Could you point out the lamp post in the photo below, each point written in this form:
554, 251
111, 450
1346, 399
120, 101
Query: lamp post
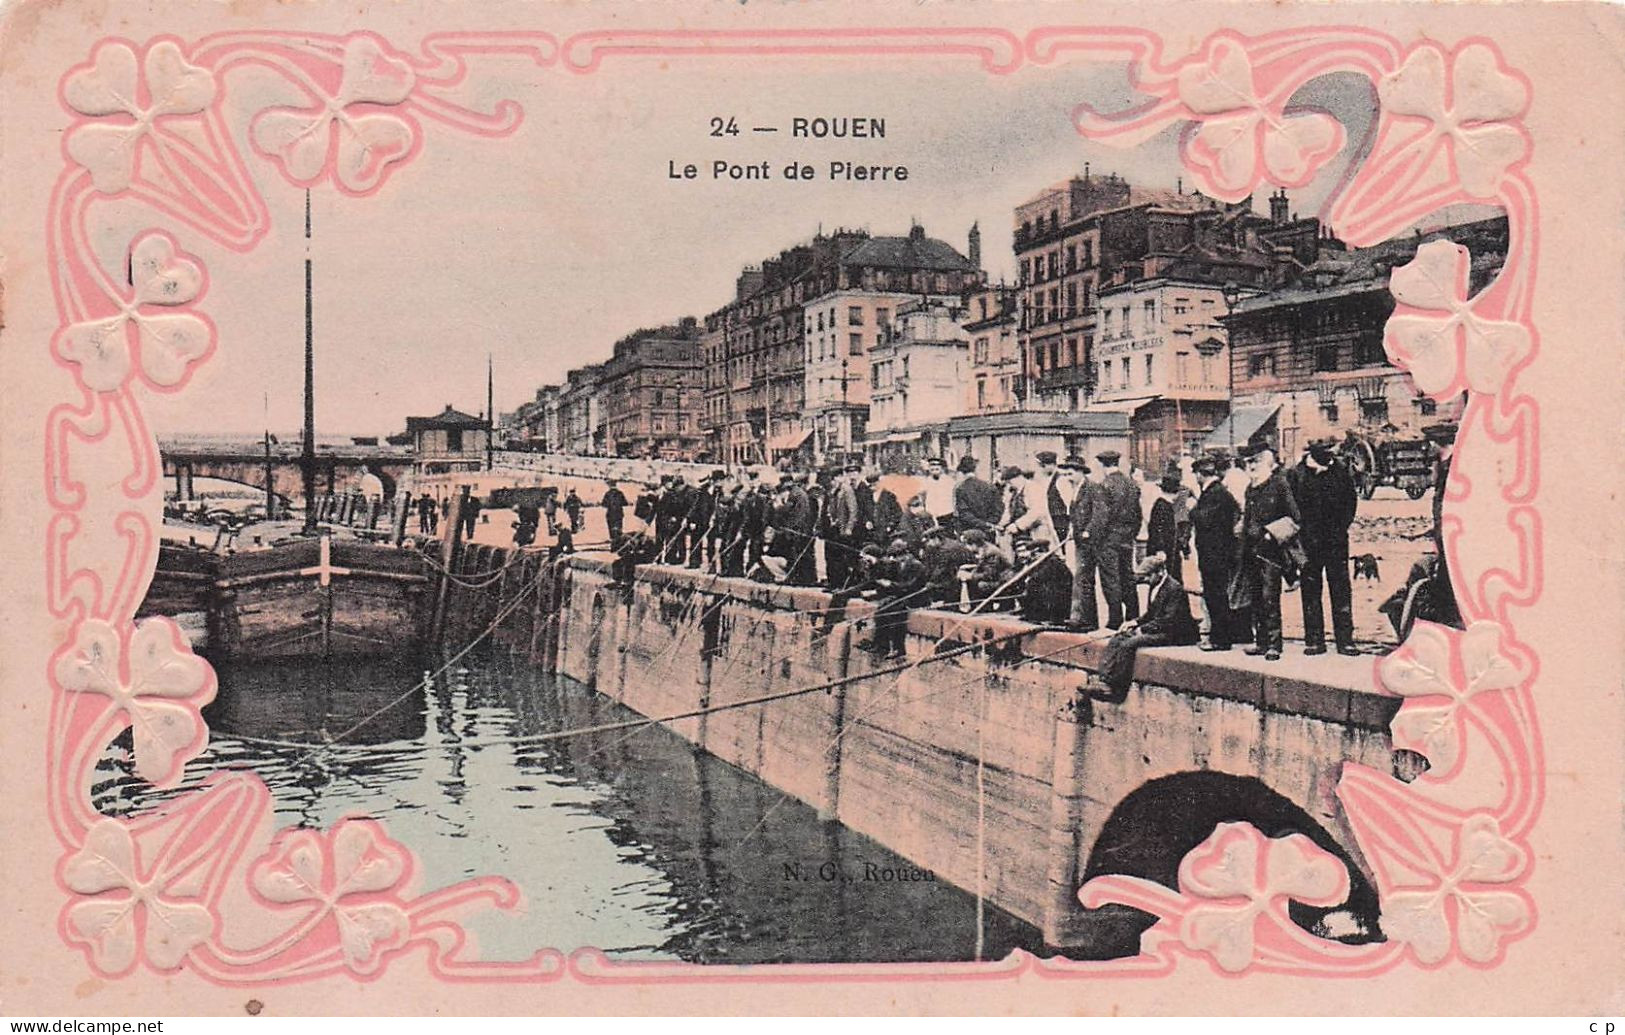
1232, 294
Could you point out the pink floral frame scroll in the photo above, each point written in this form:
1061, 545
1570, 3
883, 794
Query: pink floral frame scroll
176, 888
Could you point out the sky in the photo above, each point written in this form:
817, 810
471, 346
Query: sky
543, 248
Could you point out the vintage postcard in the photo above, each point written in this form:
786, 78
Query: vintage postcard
543, 508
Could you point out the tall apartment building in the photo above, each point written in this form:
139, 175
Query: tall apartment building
754, 349
650, 394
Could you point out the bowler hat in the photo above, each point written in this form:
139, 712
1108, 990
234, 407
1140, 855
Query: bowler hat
1108, 456
967, 465
1044, 456
1010, 474
1206, 465
1170, 483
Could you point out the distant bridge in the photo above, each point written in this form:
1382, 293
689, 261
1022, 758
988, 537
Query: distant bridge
337, 467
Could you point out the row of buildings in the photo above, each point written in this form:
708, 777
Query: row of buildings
1151, 320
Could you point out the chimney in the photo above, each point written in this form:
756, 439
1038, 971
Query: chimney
975, 246
1278, 205
1179, 185
916, 232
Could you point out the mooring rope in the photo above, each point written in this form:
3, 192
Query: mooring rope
611, 727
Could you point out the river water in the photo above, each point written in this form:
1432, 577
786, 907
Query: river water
630, 842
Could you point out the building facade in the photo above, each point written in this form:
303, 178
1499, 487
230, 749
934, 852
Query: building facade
1163, 359
1308, 359
650, 392
448, 442
754, 348
917, 377
996, 383
580, 413
840, 330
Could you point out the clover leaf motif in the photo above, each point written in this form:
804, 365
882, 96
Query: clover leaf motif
150, 913
1438, 349
168, 343
1459, 909
1424, 668
345, 874
1471, 105
151, 676
1239, 130
111, 89
359, 143
1247, 874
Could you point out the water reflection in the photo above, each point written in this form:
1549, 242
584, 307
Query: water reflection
632, 842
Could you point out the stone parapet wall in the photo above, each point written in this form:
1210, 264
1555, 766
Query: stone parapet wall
994, 767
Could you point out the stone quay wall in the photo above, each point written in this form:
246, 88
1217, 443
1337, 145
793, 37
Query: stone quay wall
994, 768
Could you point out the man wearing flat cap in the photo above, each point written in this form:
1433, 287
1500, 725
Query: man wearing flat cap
1122, 526
1325, 493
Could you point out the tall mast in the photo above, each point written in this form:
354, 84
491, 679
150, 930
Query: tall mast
307, 457
490, 415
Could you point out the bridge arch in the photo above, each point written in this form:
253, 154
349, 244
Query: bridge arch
1157, 824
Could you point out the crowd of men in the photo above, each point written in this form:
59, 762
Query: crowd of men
1051, 542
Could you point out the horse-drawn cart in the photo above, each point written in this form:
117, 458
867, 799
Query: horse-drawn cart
1404, 463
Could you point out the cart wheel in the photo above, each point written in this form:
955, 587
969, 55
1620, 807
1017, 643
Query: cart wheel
1415, 490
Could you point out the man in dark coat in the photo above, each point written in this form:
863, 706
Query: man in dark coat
1162, 527
888, 512
866, 506
1214, 520
701, 507
1325, 493
915, 524
943, 556
1088, 520
977, 503
755, 510
614, 503
572, 510
1167, 623
795, 523
843, 520
1264, 553
900, 583
1123, 526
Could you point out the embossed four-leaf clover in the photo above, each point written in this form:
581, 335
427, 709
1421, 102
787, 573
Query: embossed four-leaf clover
1439, 349
154, 679
128, 105
1240, 130
150, 913
343, 873
1247, 874
358, 141
1471, 106
1463, 907
154, 323
1425, 670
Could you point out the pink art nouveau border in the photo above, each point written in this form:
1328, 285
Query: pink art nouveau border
173, 888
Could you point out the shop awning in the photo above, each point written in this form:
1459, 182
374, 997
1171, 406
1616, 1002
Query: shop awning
788, 441
1243, 423
1128, 406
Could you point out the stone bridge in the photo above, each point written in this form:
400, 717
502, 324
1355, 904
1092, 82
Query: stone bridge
336, 469
995, 768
